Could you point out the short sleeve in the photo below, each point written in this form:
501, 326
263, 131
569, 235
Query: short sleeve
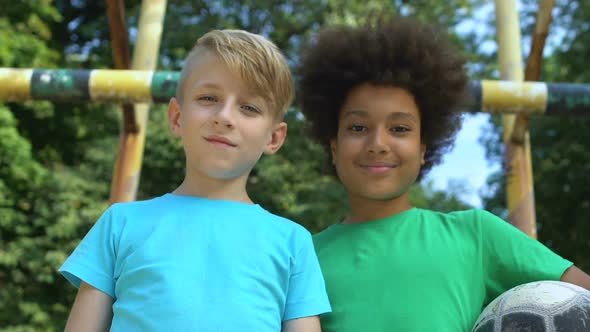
306, 293
93, 261
513, 258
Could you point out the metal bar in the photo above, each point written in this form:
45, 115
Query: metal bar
519, 172
141, 86
513, 97
15, 84
567, 98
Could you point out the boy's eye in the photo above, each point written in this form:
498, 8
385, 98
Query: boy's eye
400, 129
250, 108
210, 99
358, 128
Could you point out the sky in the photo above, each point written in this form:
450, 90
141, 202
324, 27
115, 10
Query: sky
466, 162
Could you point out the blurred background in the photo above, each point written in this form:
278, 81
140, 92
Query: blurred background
56, 159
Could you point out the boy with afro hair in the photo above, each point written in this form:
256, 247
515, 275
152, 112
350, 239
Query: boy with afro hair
384, 100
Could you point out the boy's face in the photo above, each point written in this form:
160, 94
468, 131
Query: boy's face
377, 151
224, 126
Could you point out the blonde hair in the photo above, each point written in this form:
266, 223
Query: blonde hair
256, 60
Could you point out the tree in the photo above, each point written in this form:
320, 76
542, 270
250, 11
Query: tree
44, 208
42, 215
427, 197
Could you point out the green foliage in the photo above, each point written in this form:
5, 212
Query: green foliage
25, 32
43, 214
425, 196
163, 162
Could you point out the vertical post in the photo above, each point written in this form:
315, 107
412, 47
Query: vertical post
534, 61
519, 181
543, 21
131, 144
120, 46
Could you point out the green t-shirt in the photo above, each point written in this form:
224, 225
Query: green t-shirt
422, 270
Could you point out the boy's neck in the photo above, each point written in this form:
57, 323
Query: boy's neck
363, 209
226, 189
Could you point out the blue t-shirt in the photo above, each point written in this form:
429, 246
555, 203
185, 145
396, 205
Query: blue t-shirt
185, 263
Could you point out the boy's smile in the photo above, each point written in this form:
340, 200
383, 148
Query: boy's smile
220, 141
378, 152
378, 167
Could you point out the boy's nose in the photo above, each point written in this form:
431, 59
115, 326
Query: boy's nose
223, 123
223, 116
378, 142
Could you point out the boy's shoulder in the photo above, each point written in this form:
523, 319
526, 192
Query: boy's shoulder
286, 223
472, 219
458, 215
459, 218
139, 206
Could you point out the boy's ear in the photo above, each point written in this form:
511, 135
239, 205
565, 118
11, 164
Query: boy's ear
422, 153
174, 116
277, 138
333, 150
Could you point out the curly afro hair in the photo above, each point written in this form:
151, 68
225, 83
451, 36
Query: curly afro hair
398, 52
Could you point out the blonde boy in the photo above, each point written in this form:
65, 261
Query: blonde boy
205, 257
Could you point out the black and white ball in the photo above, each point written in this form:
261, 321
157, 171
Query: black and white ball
542, 306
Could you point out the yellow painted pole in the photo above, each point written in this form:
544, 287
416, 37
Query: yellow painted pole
519, 174
15, 84
145, 57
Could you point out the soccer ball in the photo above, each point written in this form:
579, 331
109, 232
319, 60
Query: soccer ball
542, 306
